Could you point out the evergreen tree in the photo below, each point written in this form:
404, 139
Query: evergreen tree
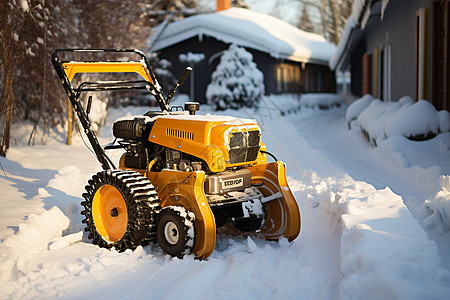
236, 82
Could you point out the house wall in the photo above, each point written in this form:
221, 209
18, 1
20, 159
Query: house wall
212, 48
307, 76
397, 30
392, 39
318, 79
356, 69
201, 71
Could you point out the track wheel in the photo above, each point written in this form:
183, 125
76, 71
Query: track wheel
175, 231
120, 209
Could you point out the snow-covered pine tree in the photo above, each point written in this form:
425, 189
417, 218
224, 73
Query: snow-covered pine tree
236, 82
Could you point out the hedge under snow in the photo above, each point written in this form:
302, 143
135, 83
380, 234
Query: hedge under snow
414, 120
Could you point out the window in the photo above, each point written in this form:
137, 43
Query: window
279, 75
288, 78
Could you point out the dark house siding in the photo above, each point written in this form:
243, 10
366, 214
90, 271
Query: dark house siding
397, 30
296, 77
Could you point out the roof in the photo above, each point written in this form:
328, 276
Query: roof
361, 10
250, 29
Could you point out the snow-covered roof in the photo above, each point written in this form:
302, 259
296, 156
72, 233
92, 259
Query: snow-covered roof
250, 29
358, 19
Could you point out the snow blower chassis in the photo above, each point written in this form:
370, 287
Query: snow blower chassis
182, 176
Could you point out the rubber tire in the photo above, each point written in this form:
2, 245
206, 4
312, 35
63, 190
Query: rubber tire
142, 204
185, 230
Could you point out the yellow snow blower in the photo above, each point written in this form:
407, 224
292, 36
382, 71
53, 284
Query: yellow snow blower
182, 176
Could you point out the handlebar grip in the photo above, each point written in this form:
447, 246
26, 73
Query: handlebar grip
185, 75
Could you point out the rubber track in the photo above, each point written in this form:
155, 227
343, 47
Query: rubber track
143, 205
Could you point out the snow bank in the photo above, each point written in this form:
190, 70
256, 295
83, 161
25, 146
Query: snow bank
321, 101
438, 207
380, 120
374, 264
33, 235
281, 104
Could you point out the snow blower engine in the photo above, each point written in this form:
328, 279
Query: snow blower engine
182, 176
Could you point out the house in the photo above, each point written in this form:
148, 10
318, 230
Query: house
394, 48
292, 61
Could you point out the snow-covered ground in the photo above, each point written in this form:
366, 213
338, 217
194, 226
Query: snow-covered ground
373, 221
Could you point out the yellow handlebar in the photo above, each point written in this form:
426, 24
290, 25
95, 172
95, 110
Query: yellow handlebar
73, 68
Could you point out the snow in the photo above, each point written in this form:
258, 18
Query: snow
374, 220
321, 100
425, 119
250, 29
334, 61
405, 117
191, 58
357, 107
439, 206
212, 118
24, 5
359, 8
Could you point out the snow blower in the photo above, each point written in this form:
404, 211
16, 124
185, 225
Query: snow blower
182, 176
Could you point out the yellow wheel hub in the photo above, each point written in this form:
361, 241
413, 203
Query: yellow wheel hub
109, 211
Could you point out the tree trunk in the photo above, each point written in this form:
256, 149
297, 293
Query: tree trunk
334, 19
323, 19
7, 96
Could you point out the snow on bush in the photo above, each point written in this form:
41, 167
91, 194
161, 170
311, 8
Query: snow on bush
421, 118
236, 82
444, 120
191, 58
377, 129
161, 68
380, 120
321, 100
368, 117
357, 107
99, 112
